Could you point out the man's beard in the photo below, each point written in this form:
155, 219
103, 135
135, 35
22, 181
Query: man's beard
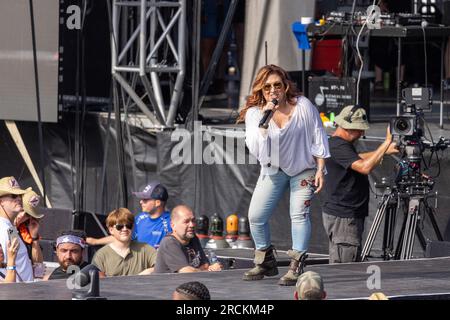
151, 211
65, 264
189, 235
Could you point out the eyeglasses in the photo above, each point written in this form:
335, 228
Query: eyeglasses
119, 227
276, 86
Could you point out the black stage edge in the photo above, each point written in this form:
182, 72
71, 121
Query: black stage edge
418, 279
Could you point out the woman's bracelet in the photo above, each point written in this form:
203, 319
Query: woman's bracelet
11, 268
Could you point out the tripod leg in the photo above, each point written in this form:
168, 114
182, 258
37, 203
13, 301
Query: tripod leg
411, 238
421, 237
410, 228
374, 228
433, 221
389, 231
401, 235
419, 233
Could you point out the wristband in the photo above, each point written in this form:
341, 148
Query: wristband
11, 268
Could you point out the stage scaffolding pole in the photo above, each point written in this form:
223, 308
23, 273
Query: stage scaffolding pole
158, 36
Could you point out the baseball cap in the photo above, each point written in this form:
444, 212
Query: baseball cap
9, 185
310, 286
154, 190
30, 202
353, 118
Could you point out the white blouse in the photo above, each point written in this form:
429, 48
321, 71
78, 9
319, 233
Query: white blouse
291, 148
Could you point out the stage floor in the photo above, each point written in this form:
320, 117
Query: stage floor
243, 258
407, 279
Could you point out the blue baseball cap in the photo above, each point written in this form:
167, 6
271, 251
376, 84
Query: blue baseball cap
154, 190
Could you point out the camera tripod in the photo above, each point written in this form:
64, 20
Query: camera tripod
415, 207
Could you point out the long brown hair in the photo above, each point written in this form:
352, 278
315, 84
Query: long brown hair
257, 97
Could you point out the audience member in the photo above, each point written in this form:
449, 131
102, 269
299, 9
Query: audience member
10, 207
181, 251
27, 223
124, 257
152, 224
191, 291
70, 247
309, 287
10, 266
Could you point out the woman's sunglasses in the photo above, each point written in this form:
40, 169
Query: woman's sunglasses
119, 227
276, 86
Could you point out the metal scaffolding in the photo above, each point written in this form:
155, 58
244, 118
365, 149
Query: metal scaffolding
148, 56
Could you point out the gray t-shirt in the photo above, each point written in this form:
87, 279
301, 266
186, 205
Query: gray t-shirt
173, 256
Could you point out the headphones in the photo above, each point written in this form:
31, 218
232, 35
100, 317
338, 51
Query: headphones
354, 109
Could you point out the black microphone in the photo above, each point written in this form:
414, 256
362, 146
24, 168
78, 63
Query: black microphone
264, 123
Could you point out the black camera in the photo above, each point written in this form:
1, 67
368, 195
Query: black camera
410, 124
404, 125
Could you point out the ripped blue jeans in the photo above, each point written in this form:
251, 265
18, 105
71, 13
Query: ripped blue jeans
268, 192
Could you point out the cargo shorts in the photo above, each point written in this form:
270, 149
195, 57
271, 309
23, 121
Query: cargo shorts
345, 237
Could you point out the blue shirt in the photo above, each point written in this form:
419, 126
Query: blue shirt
149, 230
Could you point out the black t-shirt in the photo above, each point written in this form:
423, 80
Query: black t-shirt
59, 273
173, 256
346, 191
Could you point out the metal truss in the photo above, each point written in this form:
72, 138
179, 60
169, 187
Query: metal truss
148, 55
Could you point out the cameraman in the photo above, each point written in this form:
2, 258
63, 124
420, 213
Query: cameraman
346, 192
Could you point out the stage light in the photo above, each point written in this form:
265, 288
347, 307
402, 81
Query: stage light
232, 225
428, 7
244, 240
216, 228
201, 229
216, 238
232, 229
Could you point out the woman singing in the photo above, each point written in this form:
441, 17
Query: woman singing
291, 152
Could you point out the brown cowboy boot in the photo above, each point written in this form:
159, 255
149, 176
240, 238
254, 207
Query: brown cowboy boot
295, 268
265, 265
